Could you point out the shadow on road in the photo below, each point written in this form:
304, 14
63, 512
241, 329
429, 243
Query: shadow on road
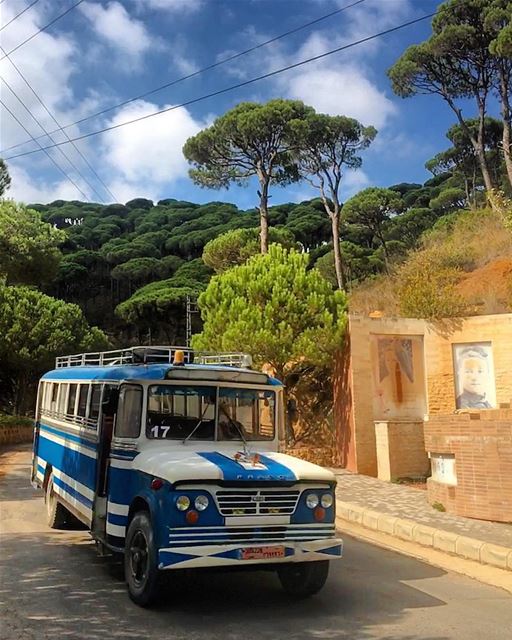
55, 586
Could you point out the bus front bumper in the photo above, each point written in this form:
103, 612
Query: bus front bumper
189, 557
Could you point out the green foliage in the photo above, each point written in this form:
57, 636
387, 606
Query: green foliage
236, 247
28, 246
467, 56
5, 178
34, 329
372, 208
276, 309
248, 139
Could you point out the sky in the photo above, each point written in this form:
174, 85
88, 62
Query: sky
107, 51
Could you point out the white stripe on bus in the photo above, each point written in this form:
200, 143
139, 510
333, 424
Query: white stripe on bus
118, 509
115, 530
69, 444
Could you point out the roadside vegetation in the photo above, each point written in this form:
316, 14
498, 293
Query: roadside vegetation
275, 280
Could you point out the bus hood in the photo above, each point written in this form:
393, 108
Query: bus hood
232, 466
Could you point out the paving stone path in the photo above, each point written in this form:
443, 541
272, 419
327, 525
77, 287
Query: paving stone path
409, 503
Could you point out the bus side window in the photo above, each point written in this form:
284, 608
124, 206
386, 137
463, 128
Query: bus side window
82, 400
94, 404
53, 397
70, 412
63, 396
129, 412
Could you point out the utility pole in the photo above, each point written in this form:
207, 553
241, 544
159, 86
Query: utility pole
191, 308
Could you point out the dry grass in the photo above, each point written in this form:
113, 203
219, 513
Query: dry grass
463, 267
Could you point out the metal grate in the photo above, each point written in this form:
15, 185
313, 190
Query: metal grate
153, 354
255, 502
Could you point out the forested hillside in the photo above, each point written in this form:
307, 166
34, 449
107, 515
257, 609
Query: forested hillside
130, 267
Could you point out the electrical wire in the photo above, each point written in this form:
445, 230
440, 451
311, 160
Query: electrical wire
60, 129
200, 71
46, 26
45, 151
63, 154
232, 87
19, 14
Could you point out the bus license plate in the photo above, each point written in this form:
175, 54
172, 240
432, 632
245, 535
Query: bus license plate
262, 553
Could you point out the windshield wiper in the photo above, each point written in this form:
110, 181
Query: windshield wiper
185, 440
238, 427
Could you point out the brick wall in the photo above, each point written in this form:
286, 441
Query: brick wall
482, 445
438, 340
401, 450
354, 384
16, 434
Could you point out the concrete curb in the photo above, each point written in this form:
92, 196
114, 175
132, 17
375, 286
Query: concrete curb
411, 531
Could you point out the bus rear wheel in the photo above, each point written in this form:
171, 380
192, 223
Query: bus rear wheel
56, 513
303, 579
140, 561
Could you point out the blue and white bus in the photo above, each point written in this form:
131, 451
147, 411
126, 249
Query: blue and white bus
171, 458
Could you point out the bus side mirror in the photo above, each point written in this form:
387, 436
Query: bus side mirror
109, 402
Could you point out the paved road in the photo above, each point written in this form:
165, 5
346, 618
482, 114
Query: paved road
52, 585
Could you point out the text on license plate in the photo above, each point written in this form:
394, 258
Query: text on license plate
261, 553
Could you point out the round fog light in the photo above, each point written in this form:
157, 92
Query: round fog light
327, 500
201, 503
312, 501
182, 503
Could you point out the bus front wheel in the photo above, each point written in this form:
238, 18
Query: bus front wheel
303, 579
140, 561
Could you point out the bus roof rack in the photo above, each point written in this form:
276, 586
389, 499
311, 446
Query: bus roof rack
152, 355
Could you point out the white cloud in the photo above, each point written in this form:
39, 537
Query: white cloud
115, 26
146, 157
341, 91
173, 6
25, 188
353, 182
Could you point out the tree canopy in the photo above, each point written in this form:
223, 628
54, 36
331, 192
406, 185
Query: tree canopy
29, 250
326, 147
252, 139
275, 308
34, 329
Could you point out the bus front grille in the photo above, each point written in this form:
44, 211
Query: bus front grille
257, 502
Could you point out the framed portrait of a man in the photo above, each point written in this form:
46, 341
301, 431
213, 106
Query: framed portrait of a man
474, 376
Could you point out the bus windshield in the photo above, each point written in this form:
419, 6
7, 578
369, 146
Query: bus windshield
205, 413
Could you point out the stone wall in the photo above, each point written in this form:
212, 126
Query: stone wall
481, 444
401, 450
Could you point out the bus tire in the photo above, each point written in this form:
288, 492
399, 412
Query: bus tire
303, 579
56, 513
140, 561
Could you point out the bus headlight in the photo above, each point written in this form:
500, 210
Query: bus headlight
201, 503
327, 500
312, 501
182, 503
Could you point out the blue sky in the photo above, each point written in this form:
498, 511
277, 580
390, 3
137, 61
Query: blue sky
104, 52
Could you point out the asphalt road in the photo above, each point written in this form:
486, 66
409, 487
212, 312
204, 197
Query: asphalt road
53, 585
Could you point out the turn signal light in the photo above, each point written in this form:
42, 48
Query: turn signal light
157, 483
319, 514
192, 517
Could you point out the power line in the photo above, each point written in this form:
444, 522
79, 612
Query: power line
64, 132
46, 26
43, 149
233, 87
200, 71
18, 15
41, 126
